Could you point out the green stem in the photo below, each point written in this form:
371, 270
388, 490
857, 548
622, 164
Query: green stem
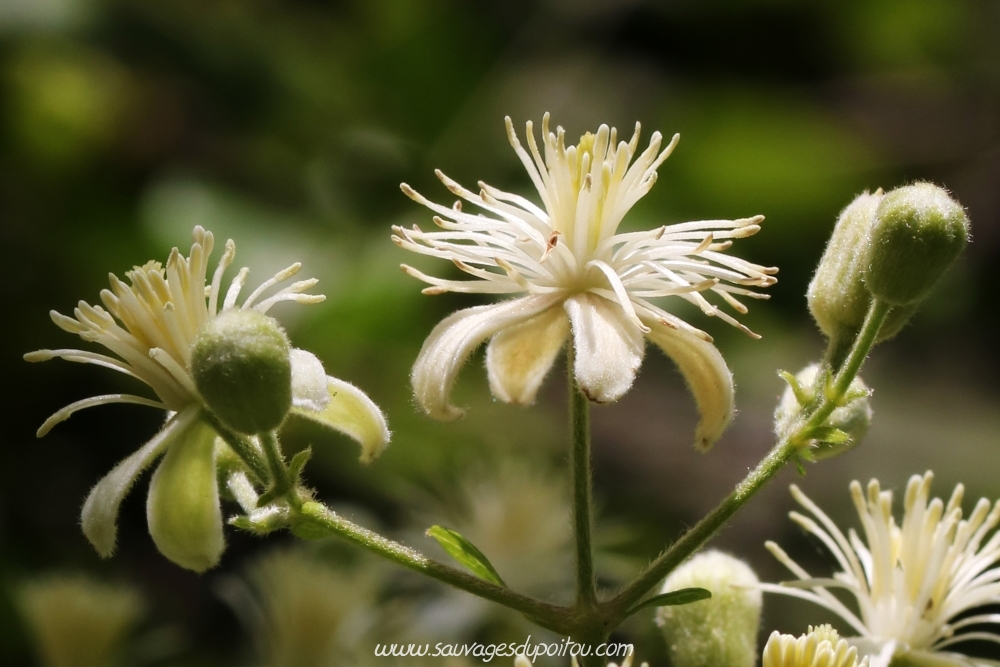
321, 521
282, 482
783, 451
242, 447
579, 410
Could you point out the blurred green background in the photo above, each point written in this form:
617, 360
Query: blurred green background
288, 127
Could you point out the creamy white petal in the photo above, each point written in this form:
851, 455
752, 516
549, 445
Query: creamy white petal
100, 511
451, 342
309, 390
519, 357
707, 376
182, 509
351, 412
608, 348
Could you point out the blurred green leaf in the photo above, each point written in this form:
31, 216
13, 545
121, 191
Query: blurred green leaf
466, 553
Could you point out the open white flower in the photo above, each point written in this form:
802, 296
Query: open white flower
150, 325
577, 274
820, 647
911, 582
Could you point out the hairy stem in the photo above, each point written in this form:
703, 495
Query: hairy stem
780, 454
242, 447
579, 414
320, 521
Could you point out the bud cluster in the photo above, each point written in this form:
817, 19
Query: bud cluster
893, 247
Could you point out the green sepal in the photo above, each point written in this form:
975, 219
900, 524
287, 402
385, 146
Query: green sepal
828, 434
298, 462
673, 599
466, 553
802, 395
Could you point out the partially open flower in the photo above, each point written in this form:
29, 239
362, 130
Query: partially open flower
150, 326
578, 276
820, 647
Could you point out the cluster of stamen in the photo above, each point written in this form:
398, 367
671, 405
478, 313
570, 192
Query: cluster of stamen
572, 244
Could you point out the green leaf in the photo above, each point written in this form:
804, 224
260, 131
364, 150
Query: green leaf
673, 598
802, 395
298, 462
829, 434
466, 553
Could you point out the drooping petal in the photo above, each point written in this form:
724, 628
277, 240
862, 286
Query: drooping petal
608, 347
351, 412
519, 357
183, 512
309, 390
452, 341
707, 376
99, 517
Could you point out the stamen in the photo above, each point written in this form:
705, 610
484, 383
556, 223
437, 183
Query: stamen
68, 411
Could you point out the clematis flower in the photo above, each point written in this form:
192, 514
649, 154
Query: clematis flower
915, 584
150, 326
820, 647
576, 275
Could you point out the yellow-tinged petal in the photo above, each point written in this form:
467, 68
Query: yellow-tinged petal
707, 376
519, 357
309, 382
351, 412
608, 347
452, 341
100, 511
183, 512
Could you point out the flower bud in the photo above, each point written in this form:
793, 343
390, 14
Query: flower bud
918, 232
838, 296
852, 419
820, 647
241, 367
722, 630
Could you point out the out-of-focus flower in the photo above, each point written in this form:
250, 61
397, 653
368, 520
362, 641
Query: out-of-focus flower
577, 275
820, 647
151, 326
722, 630
911, 582
77, 621
302, 611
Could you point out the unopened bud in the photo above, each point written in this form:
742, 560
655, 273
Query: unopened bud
838, 295
241, 367
722, 630
852, 419
919, 231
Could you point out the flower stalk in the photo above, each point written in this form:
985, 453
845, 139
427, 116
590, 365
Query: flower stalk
579, 410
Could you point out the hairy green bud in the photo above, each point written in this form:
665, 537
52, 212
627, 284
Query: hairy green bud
722, 630
846, 425
838, 295
919, 231
242, 369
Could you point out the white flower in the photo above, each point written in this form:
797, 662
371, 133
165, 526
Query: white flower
820, 647
577, 274
911, 582
150, 326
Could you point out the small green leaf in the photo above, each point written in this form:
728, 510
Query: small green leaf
673, 598
298, 462
466, 553
802, 395
829, 434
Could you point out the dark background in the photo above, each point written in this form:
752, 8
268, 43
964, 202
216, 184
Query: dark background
288, 127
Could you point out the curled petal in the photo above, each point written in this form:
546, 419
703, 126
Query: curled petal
309, 390
519, 357
608, 347
185, 519
454, 339
351, 412
100, 511
707, 376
